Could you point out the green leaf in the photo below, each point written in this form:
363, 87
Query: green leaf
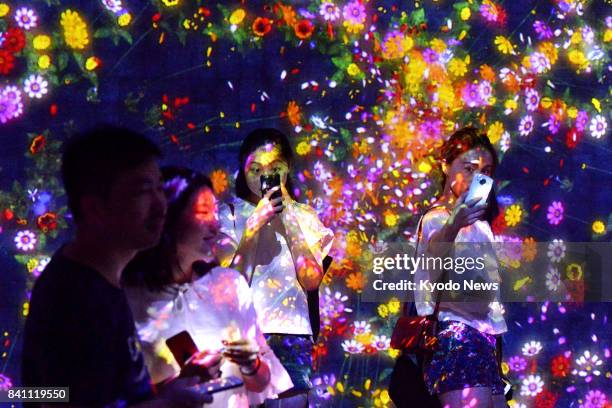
417, 17
62, 61
126, 36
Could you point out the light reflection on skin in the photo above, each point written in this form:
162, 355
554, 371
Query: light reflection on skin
460, 172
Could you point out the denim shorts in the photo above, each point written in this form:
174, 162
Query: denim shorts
295, 354
464, 358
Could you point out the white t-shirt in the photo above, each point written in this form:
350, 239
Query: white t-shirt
280, 301
209, 308
486, 317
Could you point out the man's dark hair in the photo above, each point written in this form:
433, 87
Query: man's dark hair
255, 139
94, 159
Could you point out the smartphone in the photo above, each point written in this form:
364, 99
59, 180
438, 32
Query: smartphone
220, 384
182, 347
267, 182
479, 188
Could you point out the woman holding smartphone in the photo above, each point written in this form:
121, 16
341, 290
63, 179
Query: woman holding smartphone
464, 369
176, 287
280, 247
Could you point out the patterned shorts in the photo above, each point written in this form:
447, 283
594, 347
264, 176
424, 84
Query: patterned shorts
464, 358
295, 354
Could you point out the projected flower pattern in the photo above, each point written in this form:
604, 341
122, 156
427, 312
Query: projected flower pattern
374, 165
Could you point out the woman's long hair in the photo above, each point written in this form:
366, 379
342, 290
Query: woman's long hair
460, 142
153, 267
255, 139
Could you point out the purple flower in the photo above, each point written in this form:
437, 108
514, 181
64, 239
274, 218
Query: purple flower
354, 12
5, 383
555, 213
594, 399
471, 95
430, 56
517, 363
581, 121
8, 108
553, 124
542, 29
526, 125
532, 99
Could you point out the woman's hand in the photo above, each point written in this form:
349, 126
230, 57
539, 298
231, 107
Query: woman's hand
266, 209
465, 213
205, 365
242, 352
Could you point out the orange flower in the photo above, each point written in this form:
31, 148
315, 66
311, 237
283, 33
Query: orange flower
47, 222
262, 26
487, 73
530, 249
356, 281
219, 181
288, 14
293, 113
303, 29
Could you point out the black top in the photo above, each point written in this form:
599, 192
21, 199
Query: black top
80, 334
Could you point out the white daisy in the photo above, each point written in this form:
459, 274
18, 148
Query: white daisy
532, 99
25, 240
113, 6
532, 385
553, 278
526, 125
598, 126
352, 347
329, 11
531, 348
26, 18
35, 86
539, 62
587, 365
361, 327
381, 342
556, 250
504, 143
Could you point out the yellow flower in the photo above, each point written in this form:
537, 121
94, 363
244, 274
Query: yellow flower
576, 37
415, 70
465, 13
513, 215
92, 63
390, 218
41, 42
124, 19
365, 338
383, 311
75, 30
495, 131
353, 28
424, 167
550, 51
599, 227
219, 181
44, 62
353, 69
32, 264
511, 104
577, 57
237, 16
394, 306
4, 9
302, 148
504, 45
438, 45
170, 3
572, 112
608, 35
446, 95
393, 353
26, 309
457, 67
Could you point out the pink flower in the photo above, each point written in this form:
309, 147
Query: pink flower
354, 12
594, 399
581, 121
553, 124
555, 213
517, 363
471, 96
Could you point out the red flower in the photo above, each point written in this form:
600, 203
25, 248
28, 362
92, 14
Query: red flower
499, 223
303, 29
560, 366
572, 137
14, 40
546, 399
47, 222
262, 26
7, 62
38, 143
